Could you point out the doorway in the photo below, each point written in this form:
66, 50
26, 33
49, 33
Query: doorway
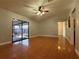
61, 29
20, 30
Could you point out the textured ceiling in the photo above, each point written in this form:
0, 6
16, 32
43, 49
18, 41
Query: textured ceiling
57, 8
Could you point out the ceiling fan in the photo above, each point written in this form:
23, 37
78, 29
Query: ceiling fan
40, 10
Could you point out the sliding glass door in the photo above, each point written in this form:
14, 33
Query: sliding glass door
25, 30
20, 30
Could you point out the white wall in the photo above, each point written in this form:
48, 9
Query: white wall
48, 28
70, 30
6, 25
77, 26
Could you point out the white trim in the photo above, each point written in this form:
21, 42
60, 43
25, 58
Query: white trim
69, 40
33, 36
49, 35
4, 43
77, 52
43, 35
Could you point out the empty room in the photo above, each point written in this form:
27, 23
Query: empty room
39, 29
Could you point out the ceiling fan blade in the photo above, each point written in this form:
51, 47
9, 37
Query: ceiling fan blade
43, 2
29, 6
35, 9
50, 2
73, 10
46, 11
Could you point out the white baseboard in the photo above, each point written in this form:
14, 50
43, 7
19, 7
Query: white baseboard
4, 43
34, 36
43, 35
49, 35
77, 52
69, 40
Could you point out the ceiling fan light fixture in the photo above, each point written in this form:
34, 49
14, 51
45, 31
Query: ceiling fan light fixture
43, 12
40, 13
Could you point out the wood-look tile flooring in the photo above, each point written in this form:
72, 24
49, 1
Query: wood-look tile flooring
39, 48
